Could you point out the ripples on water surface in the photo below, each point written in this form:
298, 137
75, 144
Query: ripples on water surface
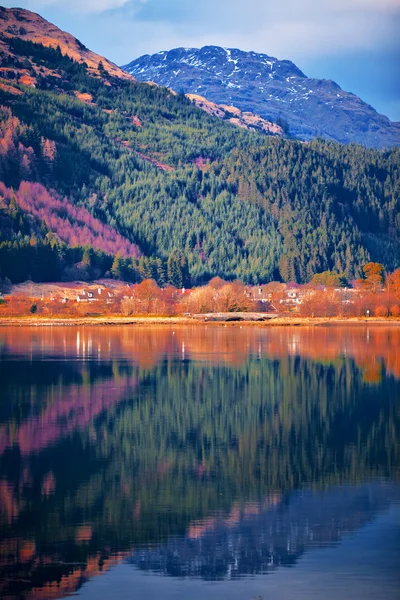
218, 462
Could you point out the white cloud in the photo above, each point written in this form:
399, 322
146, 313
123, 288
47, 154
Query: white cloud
286, 29
226, 8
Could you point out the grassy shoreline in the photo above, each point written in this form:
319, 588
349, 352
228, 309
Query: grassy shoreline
35, 321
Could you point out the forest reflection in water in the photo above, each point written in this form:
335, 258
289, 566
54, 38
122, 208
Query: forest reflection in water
206, 452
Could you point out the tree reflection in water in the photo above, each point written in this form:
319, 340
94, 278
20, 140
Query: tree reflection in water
212, 452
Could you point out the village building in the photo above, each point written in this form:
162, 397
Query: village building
86, 296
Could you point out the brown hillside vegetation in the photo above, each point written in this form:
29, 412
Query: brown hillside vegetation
26, 25
246, 120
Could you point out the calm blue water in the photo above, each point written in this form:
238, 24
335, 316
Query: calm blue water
206, 462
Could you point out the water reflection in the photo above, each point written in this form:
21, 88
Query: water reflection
258, 538
210, 452
371, 347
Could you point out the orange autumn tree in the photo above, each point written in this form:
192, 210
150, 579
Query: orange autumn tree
393, 283
146, 298
201, 300
373, 276
232, 298
321, 303
217, 296
393, 290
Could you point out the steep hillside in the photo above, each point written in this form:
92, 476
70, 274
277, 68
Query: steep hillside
274, 89
234, 115
187, 195
28, 26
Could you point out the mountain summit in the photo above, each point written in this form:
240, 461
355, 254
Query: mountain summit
276, 90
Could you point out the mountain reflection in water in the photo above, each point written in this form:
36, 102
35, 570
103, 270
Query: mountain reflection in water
209, 452
258, 538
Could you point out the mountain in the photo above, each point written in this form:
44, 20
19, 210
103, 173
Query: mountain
103, 174
277, 90
25, 25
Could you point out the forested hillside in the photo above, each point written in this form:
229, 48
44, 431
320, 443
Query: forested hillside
184, 195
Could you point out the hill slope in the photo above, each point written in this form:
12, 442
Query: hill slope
274, 89
26, 25
187, 196
247, 120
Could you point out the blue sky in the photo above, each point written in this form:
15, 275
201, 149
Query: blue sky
354, 42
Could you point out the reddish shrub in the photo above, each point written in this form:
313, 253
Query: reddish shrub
395, 310
381, 311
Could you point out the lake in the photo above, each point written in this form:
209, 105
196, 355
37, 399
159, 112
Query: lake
229, 463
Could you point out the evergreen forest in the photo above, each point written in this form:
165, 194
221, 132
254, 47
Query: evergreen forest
102, 176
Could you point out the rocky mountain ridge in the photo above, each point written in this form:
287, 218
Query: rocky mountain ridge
277, 90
